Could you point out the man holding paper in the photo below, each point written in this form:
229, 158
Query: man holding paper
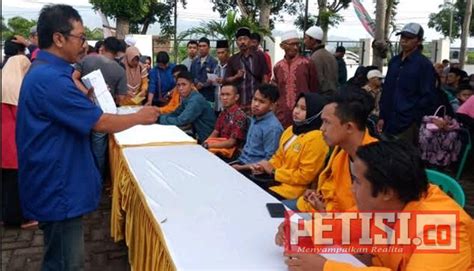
58, 179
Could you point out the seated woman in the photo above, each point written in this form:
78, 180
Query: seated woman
301, 153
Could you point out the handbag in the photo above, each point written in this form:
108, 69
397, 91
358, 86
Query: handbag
439, 139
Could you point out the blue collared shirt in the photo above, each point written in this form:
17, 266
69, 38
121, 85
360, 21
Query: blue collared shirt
263, 138
161, 81
199, 71
408, 93
58, 178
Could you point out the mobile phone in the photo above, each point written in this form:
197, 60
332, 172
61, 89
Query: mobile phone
276, 210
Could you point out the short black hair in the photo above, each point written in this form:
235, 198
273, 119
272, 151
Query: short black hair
464, 86
205, 40
185, 75
97, 45
269, 91
234, 87
340, 49
192, 42
256, 36
396, 165
162, 57
123, 46
179, 68
353, 104
445, 61
55, 19
11, 48
456, 71
112, 45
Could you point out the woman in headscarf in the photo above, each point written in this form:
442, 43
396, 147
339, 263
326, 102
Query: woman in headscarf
12, 76
302, 151
137, 77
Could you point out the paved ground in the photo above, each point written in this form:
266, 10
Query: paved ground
22, 249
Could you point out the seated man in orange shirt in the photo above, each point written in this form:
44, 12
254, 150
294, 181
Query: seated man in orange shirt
344, 129
390, 177
174, 100
231, 126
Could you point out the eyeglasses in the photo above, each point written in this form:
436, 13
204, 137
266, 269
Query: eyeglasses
81, 37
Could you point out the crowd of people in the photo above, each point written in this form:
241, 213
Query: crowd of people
299, 129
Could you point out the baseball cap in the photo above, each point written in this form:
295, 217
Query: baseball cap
412, 30
374, 74
315, 32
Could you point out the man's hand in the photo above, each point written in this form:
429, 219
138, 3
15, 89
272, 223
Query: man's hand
380, 124
280, 235
307, 193
220, 81
317, 202
240, 74
148, 114
256, 169
199, 85
21, 40
266, 166
303, 262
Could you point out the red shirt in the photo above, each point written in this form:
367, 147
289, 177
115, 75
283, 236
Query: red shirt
232, 123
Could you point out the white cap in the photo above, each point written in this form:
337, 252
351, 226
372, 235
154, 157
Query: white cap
374, 73
130, 41
315, 32
288, 35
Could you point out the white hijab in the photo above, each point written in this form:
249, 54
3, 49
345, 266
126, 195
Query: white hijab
12, 76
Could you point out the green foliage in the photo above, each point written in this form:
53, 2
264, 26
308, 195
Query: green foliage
440, 21
326, 18
252, 8
470, 58
225, 29
131, 9
17, 26
94, 34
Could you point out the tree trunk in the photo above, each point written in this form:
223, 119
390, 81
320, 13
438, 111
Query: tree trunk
123, 28
465, 32
388, 18
264, 19
322, 5
243, 8
379, 32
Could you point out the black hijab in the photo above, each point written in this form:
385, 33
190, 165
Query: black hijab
314, 105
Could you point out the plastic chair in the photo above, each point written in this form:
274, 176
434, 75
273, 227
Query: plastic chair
467, 144
448, 185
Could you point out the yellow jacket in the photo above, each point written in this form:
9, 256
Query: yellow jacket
174, 102
299, 164
434, 200
335, 182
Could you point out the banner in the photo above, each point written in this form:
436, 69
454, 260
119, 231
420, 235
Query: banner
364, 17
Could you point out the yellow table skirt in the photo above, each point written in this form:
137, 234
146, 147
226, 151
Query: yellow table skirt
132, 220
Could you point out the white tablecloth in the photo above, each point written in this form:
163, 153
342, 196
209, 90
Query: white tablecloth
152, 134
210, 215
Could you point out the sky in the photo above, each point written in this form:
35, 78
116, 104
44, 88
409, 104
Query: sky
198, 11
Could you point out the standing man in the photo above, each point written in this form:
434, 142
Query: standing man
255, 43
246, 69
200, 67
326, 64
409, 89
58, 179
31, 43
192, 48
161, 80
223, 55
341, 65
293, 75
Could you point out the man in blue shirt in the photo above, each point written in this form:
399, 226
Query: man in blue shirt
201, 66
161, 80
58, 178
265, 130
194, 110
409, 90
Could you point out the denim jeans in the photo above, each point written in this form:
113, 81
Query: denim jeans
63, 245
99, 149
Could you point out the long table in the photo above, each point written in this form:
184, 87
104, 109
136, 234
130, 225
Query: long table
181, 208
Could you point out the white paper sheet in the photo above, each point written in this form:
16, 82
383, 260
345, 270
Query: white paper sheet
101, 92
211, 216
213, 77
124, 110
155, 133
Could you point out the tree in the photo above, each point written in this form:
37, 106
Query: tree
465, 30
441, 21
17, 26
136, 12
327, 15
94, 34
263, 11
225, 29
